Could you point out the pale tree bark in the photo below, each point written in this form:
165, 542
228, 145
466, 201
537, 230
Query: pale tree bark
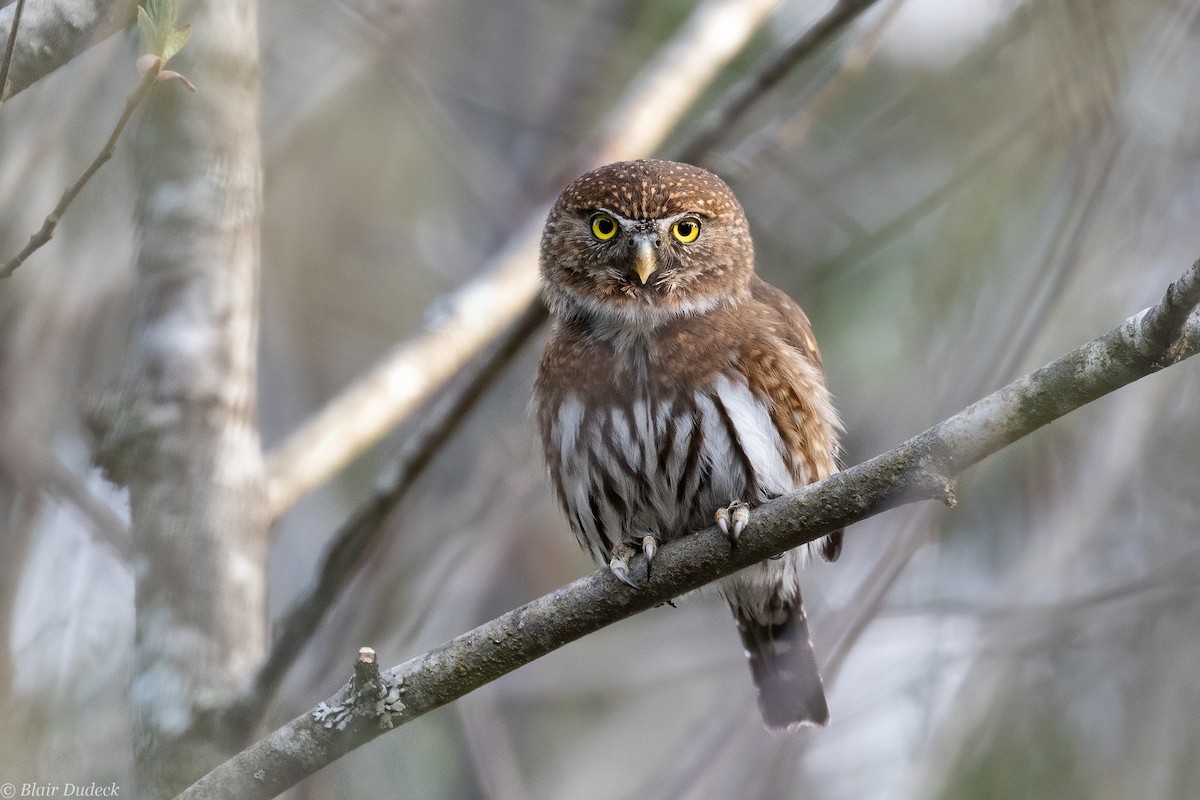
182, 434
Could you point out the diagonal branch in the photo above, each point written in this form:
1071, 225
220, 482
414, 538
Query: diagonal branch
921, 468
762, 80
55, 31
6, 64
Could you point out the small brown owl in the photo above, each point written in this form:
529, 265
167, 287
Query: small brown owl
678, 388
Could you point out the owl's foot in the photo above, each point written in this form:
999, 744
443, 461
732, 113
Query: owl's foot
649, 548
732, 519
619, 565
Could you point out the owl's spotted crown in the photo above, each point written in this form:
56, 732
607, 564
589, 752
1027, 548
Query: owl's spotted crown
650, 189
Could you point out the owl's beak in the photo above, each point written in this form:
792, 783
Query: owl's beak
644, 260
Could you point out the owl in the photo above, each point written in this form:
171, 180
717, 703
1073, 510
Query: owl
678, 389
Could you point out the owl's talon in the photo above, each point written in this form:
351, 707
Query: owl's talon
619, 568
732, 519
741, 518
649, 548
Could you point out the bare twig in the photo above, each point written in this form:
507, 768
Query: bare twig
47, 230
921, 468
762, 80
8, 51
357, 418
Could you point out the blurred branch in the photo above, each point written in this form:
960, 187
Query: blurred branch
14, 26
975, 165
55, 31
921, 468
1039, 617
414, 371
762, 80
44, 234
489, 744
38, 471
107, 528
787, 132
354, 420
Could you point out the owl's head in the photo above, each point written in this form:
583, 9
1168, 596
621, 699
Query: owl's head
640, 242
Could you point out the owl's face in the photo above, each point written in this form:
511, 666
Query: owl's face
640, 242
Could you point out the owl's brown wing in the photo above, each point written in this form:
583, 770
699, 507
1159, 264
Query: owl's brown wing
791, 324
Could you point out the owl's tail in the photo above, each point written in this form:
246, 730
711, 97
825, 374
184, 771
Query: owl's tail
784, 666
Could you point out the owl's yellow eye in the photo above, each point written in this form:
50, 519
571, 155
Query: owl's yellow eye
604, 227
686, 230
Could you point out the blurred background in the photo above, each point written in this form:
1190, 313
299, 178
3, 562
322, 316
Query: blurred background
955, 192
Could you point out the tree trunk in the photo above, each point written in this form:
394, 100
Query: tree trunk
185, 439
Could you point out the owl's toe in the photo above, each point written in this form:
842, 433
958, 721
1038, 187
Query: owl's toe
732, 519
621, 570
649, 548
619, 565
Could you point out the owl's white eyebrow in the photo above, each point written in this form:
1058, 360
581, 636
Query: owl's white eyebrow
629, 220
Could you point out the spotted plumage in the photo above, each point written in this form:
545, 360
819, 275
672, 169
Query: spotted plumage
678, 388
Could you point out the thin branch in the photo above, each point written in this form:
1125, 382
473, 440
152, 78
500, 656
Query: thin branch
47, 230
658, 98
762, 80
787, 132
921, 468
360, 536
8, 51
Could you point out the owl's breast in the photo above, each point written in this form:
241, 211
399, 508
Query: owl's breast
659, 460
